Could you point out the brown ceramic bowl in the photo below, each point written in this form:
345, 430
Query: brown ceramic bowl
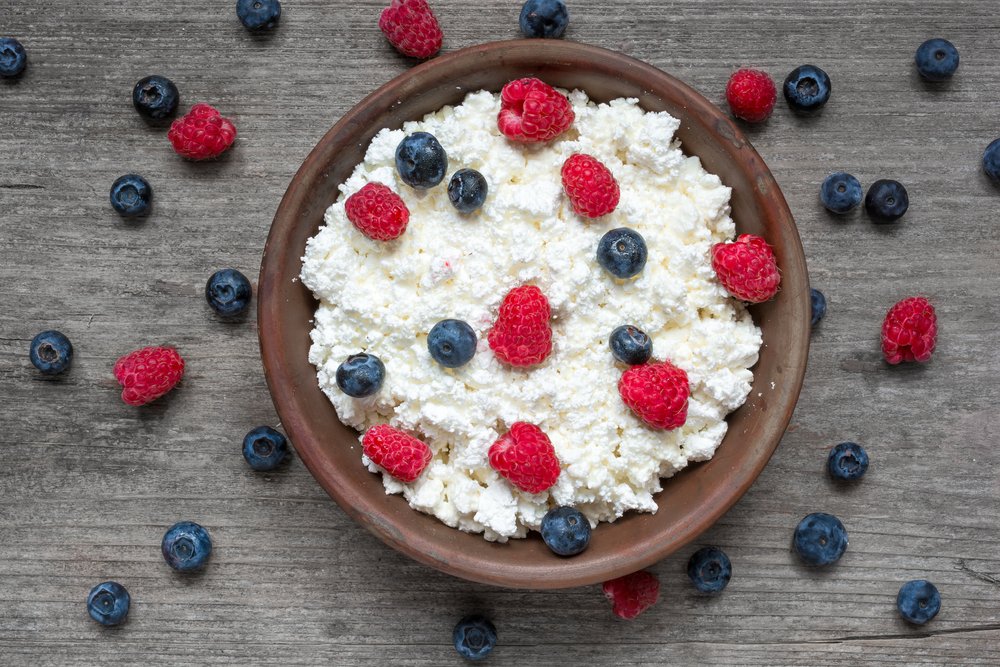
690, 502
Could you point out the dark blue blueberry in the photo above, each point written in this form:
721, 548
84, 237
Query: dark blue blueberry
361, 375
12, 57
186, 546
840, 192
228, 292
991, 161
806, 88
918, 601
258, 14
108, 603
820, 539
474, 637
848, 461
630, 345
264, 448
622, 252
452, 343
131, 195
421, 160
467, 190
937, 59
818, 305
565, 530
155, 97
886, 201
709, 569
544, 18
51, 352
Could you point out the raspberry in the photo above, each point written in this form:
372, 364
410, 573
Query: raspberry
524, 456
378, 212
590, 186
521, 336
632, 594
751, 95
747, 268
398, 453
201, 134
148, 373
531, 111
909, 331
657, 393
411, 27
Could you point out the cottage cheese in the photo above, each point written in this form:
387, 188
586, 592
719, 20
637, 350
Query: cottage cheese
383, 298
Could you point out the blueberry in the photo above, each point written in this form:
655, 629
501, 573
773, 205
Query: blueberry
452, 343
918, 601
467, 190
131, 196
264, 448
228, 292
155, 97
421, 160
820, 539
991, 161
847, 461
361, 375
622, 252
186, 546
108, 603
51, 352
937, 59
806, 88
818, 303
840, 192
474, 637
13, 58
630, 345
709, 569
544, 18
886, 201
258, 14
565, 530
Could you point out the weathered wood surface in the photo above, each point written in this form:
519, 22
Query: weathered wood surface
87, 484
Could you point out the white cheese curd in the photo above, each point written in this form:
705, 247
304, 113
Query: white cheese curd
384, 297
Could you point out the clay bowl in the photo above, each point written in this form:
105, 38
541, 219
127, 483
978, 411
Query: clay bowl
690, 502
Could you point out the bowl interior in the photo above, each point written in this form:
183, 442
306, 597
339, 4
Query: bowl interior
692, 500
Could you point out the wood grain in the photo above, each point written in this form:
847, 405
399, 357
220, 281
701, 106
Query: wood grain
88, 485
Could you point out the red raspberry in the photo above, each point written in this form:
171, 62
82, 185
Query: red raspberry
378, 212
524, 456
747, 268
909, 331
412, 28
632, 594
532, 111
751, 95
201, 134
398, 453
148, 373
657, 393
590, 186
521, 336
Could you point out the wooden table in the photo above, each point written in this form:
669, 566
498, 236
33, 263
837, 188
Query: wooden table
88, 484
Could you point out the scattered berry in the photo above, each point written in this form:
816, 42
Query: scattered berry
131, 196
521, 335
818, 305
566, 530
361, 375
840, 192
377, 212
524, 456
398, 453
264, 448
807, 88
709, 569
820, 539
632, 594
531, 111
657, 393
186, 546
991, 160
228, 292
412, 28
630, 345
148, 373
909, 331
847, 461
202, 133
452, 343
467, 190
590, 186
751, 95
747, 268
918, 601
51, 352
155, 97
421, 160
622, 252
258, 14
886, 201
108, 603
13, 57
544, 18
937, 59
474, 637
